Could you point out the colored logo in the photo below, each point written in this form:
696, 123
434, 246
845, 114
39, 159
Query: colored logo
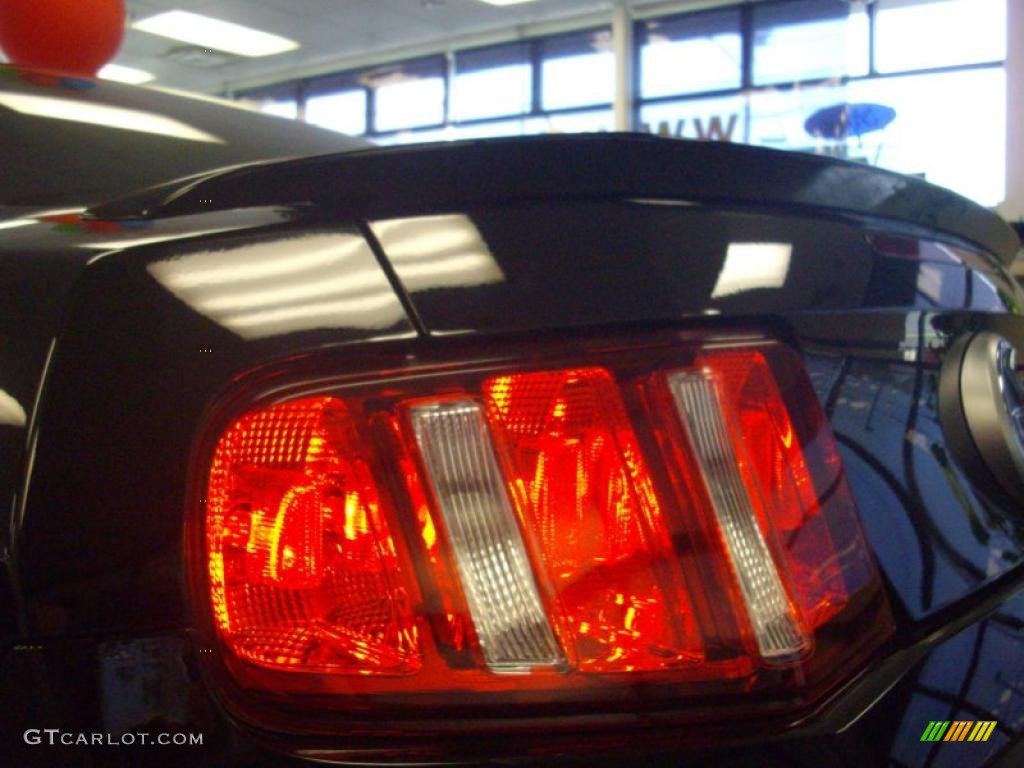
958, 730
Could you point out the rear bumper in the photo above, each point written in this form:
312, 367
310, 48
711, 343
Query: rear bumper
122, 688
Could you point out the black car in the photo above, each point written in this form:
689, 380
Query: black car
599, 449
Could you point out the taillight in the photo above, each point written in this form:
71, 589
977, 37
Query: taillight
629, 526
302, 564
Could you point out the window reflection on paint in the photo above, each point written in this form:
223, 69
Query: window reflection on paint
941, 285
12, 414
437, 251
282, 286
749, 266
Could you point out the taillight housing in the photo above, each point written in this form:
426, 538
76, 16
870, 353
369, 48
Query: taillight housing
612, 526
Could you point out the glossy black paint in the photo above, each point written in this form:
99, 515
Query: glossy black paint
561, 264
153, 336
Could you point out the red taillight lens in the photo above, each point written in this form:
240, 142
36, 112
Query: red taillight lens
302, 565
583, 490
666, 514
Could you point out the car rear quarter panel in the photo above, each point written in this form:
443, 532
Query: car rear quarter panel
138, 368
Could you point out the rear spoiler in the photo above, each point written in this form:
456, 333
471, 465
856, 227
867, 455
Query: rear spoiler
399, 181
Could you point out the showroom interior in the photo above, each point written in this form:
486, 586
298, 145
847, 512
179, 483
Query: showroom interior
935, 82
933, 88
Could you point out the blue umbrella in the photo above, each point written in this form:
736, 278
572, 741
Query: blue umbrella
842, 120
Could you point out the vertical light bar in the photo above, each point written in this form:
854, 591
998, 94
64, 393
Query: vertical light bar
776, 627
463, 471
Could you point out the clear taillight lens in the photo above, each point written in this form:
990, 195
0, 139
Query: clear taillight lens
552, 527
493, 565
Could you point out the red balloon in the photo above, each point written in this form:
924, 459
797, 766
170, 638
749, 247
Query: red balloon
74, 37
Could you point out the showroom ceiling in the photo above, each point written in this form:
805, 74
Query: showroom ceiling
334, 34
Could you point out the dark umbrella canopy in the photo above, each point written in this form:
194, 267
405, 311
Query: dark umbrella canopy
842, 120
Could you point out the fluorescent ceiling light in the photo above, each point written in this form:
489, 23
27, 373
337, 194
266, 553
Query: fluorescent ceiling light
121, 74
207, 32
103, 114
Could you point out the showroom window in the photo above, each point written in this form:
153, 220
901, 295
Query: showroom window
893, 83
690, 54
492, 82
280, 100
716, 119
808, 40
288, 108
338, 103
577, 70
408, 95
925, 113
343, 111
810, 86
523, 88
957, 32
935, 112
